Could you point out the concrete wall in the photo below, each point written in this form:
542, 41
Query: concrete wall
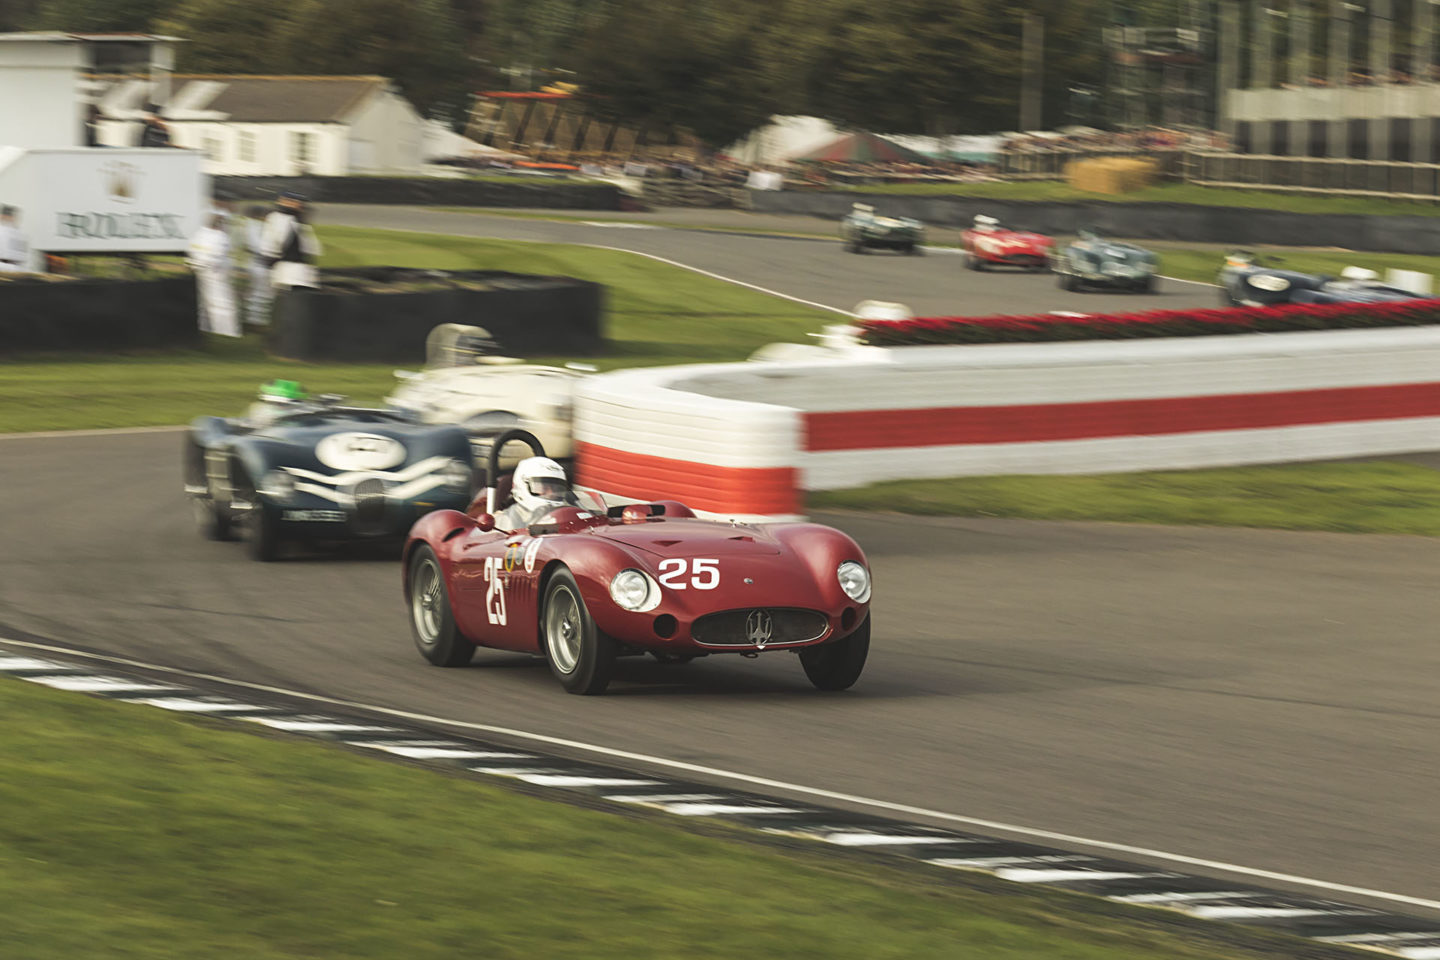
425, 190
728, 437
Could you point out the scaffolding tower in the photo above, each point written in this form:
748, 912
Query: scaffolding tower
1159, 76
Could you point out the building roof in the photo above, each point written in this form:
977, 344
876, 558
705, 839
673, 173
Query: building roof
247, 98
52, 36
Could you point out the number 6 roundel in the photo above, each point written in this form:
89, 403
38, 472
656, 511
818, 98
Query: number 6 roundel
704, 574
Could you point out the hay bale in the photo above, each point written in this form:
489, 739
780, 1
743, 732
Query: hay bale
1112, 174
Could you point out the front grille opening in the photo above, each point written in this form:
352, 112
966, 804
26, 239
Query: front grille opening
369, 505
759, 626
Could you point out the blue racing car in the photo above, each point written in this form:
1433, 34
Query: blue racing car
302, 469
1252, 281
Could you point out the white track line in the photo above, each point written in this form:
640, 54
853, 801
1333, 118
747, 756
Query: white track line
108, 432
745, 778
601, 246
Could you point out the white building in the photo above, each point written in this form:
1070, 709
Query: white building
77, 199
276, 126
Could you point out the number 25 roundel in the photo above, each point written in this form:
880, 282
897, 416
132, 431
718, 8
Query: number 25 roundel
495, 591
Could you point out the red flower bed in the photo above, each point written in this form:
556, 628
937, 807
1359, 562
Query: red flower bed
1150, 323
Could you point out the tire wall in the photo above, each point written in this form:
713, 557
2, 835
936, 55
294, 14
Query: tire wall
644, 435
425, 191
535, 316
1184, 222
1093, 407
92, 315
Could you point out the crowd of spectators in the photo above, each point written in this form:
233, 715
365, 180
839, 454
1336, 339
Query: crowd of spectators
1145, 138
1398, 75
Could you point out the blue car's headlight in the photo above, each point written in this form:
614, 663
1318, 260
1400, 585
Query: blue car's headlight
456, 475
277, 485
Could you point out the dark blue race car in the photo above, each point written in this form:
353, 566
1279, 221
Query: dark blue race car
1249, 280
297, 469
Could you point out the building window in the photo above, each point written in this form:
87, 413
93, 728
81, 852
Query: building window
302, 147
213, 149
247, 146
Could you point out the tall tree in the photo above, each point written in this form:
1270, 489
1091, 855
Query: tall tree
698, 65
916, 66
415, 43
230, 36
18, 14
98, 16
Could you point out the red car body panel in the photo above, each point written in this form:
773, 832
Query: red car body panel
496, 580
1008, 247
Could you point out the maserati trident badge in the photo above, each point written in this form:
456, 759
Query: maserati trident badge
759, 628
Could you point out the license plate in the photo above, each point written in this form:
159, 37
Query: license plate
322, 516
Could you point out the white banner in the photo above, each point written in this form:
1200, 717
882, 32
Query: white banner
111, 200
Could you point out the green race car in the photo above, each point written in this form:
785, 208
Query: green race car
1096, 261
862, 229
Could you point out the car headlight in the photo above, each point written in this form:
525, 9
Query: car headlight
854, 580
277, 485
456, 475
634, 591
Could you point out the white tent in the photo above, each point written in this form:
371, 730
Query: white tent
442, 143
781, 139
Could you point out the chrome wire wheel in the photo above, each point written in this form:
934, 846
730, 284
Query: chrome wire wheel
564, 629
426, 601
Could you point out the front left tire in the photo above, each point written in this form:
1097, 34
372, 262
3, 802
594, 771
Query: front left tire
580, 656
262, 534
838, 664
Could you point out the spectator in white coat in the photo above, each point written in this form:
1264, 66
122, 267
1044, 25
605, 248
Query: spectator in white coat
257, 269
209, 256
14, 248
289, 245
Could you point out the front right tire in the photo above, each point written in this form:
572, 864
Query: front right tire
838, 664
580, 656
432, 622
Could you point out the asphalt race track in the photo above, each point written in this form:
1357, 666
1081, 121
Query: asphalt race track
816, 270
1258, 698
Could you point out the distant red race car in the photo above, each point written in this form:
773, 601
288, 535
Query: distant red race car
582, 585
987, 242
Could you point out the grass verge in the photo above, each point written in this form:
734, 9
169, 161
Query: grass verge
655, 314
162, 837
1382, 497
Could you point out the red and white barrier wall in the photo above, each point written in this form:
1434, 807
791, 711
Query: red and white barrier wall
643, 434
749, 438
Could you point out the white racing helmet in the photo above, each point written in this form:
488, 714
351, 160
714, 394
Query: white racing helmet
984, 223
539, 484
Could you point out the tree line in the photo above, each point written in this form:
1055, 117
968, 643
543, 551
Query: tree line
716, 67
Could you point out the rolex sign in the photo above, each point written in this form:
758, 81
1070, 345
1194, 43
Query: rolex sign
101, 200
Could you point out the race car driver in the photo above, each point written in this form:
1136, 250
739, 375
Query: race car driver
539, 486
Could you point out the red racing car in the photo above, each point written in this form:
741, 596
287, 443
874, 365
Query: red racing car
581, 585
987, 242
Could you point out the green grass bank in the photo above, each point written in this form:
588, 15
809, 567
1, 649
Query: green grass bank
131, 832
